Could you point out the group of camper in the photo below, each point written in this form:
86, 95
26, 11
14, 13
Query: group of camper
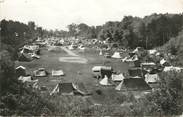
31, 80
142, 75
29, 52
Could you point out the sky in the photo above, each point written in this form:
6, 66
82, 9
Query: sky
57, 14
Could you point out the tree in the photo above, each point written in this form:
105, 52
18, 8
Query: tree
31, 25
73, 30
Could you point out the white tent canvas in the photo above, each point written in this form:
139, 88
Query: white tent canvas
151, 78
55, 90
57, 73
96, 68
148, 64
172, 68
105, 81
116, 55
152, 51
40, 72
119, 86
26, 79
100, 52
117, 77
162, 61
20, 67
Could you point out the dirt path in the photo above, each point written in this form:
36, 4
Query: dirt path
69, 52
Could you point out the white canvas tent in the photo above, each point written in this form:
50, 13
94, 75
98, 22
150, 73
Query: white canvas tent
117, 77
20, 67
152, 51
172, 68
100, 52
164, 62
116, 55
96, 68
26, 79
20, 71
41, 72
55, 90
152, 78
119, 86
148, 64
105, 81
57, 73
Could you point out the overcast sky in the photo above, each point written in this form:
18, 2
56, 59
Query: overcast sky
57, 14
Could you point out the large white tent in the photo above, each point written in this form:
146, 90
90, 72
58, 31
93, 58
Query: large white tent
152, 78
117, 77
105, 81
100, 52
116, 55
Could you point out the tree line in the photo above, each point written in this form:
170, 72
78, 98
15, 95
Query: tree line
148, 32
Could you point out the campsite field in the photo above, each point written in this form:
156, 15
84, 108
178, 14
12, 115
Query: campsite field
76, 72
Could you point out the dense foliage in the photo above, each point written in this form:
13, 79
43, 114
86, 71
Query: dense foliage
175, 47
148, 32
15, 97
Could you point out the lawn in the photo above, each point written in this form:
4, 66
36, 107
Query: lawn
76, 72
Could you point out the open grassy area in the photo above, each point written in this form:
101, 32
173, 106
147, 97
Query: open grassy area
76, 72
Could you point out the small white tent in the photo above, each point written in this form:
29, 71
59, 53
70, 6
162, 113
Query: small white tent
57, 73
116, 55
117, 77
152, 78
105, 81
172, 68
119, 86
100, 52
27, 79
96, 68
152, 51
55, 90
162, 61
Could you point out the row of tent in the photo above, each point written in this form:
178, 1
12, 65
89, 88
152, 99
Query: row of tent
69, 88
144, 75
41, 72
109, 79
130, 84
60, 88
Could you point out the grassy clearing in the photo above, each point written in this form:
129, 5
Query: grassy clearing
75, 72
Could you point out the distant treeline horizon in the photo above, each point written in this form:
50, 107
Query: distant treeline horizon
148, 32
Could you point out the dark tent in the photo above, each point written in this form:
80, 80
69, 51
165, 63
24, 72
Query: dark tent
70, 89
20, 71
135, 72
38, 52
66, 88
131, 54
137, 63
135, 84
107, 72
